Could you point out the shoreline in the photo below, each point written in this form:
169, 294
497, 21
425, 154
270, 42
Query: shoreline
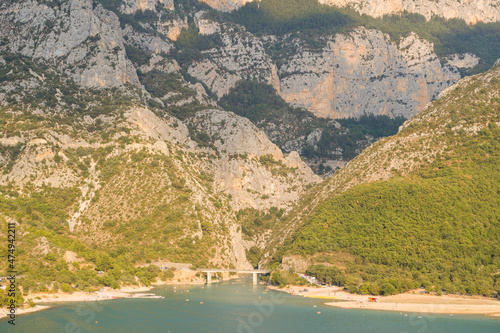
407, 302
106, 295
4, 313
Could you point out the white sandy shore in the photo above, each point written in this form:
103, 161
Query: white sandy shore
40, 298
182, 277
5, 313
406, 302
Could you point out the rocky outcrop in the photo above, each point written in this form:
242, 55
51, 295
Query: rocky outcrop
240, 171
226, 5
471, 11
240, 55
172, 28
466, 60
352, 74
150, 42
161, 130
364, 72
132, 6
83, 41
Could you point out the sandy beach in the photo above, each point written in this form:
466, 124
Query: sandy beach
182, 277
407, 302
4, 312
40, 298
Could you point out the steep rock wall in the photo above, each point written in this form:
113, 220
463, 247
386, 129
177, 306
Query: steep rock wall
352, 74
471, 11
240, 171
241, 55
226, 5
364, 72
84, 42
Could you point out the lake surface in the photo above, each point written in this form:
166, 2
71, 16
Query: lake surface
238, 307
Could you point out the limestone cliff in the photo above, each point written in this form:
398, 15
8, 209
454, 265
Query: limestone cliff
240, 55
363, 72
84, 41
240, 172
226, 5
352, 74
471, 11
132, 6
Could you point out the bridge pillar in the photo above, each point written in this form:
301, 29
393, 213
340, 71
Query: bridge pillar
209, 278
254, 278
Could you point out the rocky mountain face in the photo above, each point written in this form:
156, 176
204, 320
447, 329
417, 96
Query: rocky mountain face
386, 78
121, 157
364, 72
111, 123
88, 43
471, 11
85, 41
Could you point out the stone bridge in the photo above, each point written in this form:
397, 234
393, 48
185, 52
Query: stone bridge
254, 272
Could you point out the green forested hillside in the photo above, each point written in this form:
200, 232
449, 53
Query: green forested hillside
438, 226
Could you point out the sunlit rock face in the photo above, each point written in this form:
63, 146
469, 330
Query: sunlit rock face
471, 11
84, 41
364, 72
226, 5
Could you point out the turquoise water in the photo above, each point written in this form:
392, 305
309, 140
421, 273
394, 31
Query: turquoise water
234, 307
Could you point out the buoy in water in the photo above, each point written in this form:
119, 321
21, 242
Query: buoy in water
96, 321
319, 312
187, 299
201, 302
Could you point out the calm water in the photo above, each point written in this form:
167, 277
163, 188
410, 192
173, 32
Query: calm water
234, 307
